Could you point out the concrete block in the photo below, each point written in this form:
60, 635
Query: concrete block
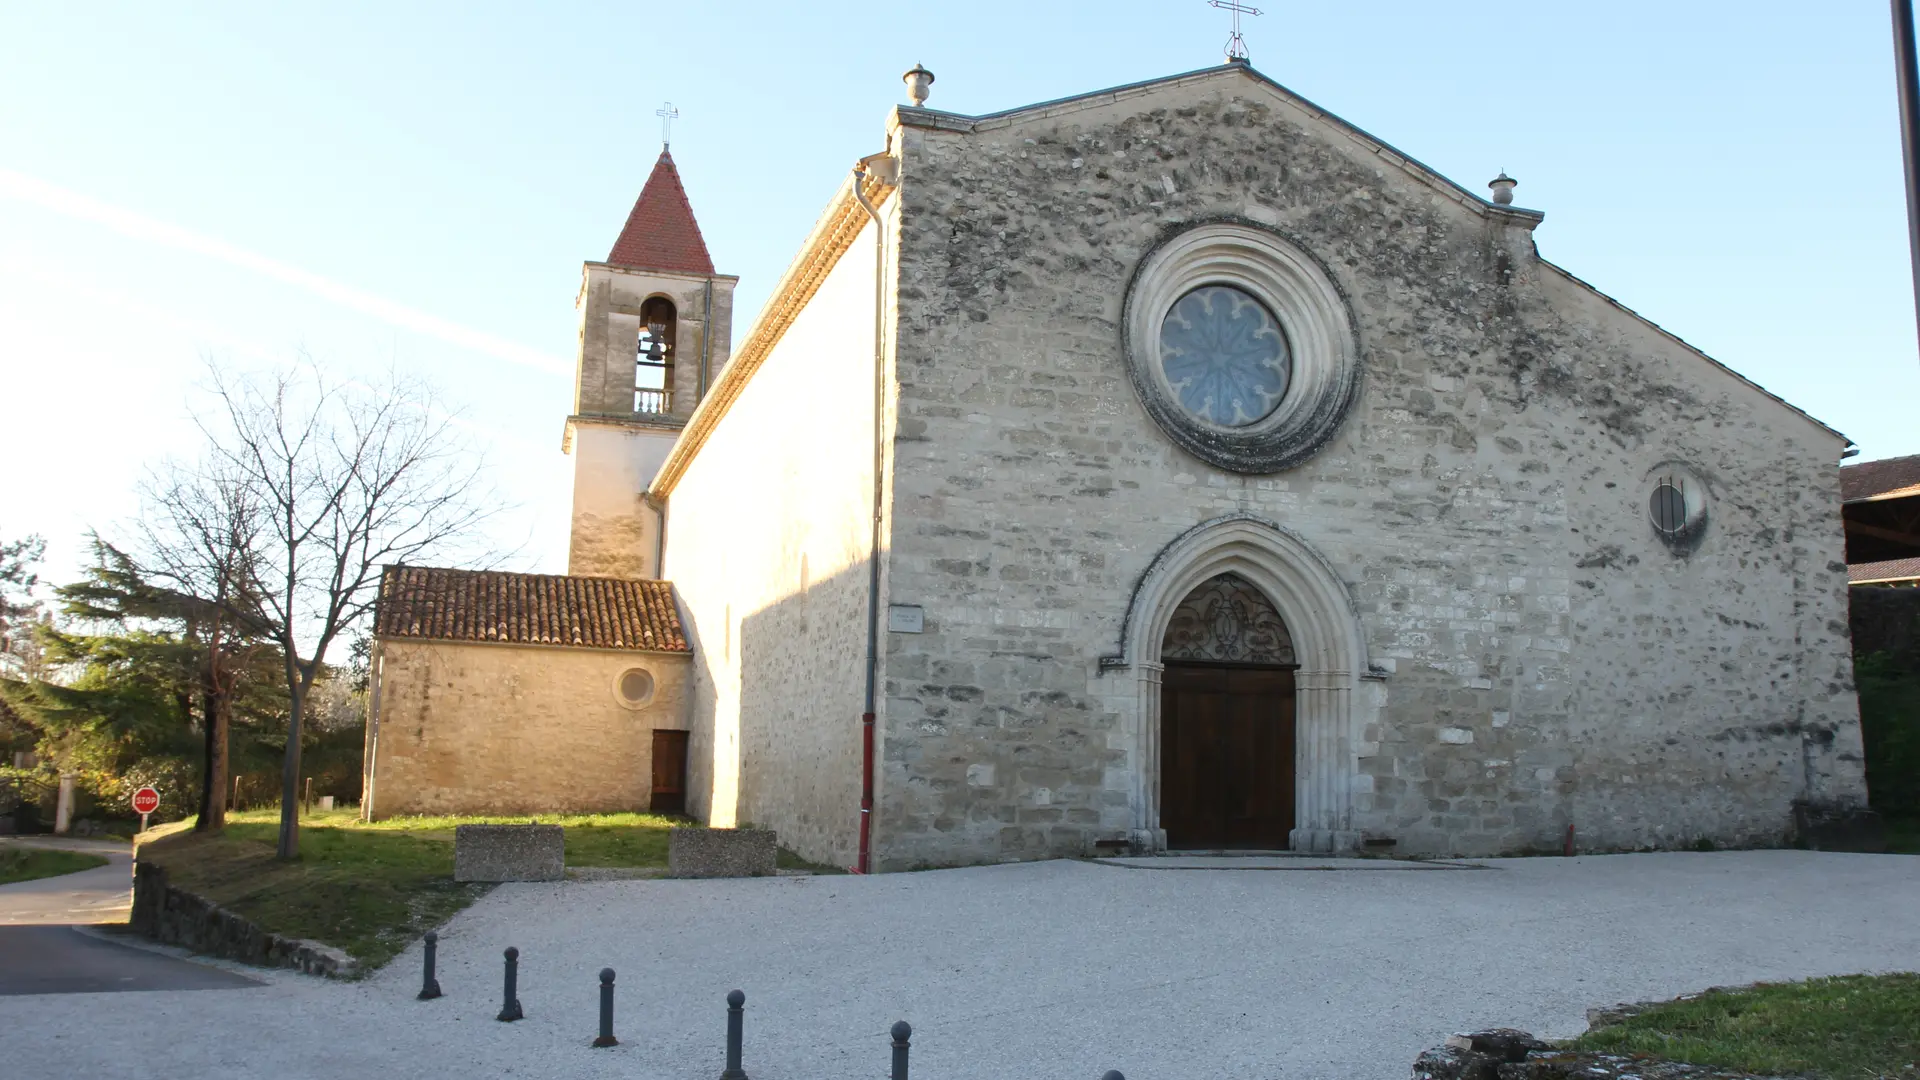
706, 853
509, 853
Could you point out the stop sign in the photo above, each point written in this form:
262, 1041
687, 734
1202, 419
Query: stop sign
146, 801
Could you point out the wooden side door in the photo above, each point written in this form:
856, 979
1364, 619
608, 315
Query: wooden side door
1226, 756
669, 772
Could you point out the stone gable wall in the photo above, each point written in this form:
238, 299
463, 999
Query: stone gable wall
1544, 658
468, 728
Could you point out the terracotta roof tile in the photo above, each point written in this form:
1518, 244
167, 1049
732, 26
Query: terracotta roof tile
428, 602
1879, 479
660, 233
1891, 570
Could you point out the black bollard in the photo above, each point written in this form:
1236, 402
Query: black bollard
510, 1010
736, 1017
430, 986
606, 1010
902, 1031
1113, 1074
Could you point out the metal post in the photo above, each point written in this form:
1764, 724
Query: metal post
1909, 76
735, 1022
1113, 1074
606, 1010
510, 1009
430, 986
902, 1031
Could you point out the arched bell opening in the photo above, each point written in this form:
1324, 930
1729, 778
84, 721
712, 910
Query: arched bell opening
653, 362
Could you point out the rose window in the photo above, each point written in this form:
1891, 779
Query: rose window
1224, 355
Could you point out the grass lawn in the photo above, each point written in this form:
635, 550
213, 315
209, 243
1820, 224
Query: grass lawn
368, 888
26, 864
1848, 1028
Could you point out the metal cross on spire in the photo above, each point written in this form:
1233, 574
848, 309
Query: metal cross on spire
1236, 43
667, 114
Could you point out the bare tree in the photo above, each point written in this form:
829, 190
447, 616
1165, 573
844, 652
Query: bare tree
201, 536
345, 477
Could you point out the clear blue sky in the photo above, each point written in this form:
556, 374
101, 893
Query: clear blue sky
417, 184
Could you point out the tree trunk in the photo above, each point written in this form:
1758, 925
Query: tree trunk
289, 845
216, 711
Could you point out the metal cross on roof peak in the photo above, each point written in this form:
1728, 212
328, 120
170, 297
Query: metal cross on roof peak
667, 114
1236, 43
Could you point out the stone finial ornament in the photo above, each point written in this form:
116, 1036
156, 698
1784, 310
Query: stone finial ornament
1503, 186
917, 80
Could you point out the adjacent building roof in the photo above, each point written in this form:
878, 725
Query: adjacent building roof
661, 233
1893, 571
434, 603
1888, 478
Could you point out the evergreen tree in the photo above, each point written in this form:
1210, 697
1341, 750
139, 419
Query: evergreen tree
213, 652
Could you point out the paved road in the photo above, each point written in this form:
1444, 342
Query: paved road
69, 960
51, 940
1041, 971
100, 895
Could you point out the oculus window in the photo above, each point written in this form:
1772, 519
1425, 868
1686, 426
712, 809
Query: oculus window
1676, 505
1224, 355
1239, 346
633, 687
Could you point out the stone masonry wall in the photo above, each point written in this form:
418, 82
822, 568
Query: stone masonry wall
1546, 660
467, 728
767, 540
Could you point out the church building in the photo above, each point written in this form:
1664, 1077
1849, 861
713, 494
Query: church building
1175, 466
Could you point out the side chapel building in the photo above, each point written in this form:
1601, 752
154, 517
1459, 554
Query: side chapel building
1172, 466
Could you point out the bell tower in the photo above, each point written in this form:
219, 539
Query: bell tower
656, 325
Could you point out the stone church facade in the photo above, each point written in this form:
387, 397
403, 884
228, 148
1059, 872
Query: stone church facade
1178, 466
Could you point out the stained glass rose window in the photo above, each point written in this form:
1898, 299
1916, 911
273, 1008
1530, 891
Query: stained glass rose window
1240, 347
1224, 356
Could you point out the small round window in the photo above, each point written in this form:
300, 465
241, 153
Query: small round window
1225, 356
1669, 508
1676, 505
634, 687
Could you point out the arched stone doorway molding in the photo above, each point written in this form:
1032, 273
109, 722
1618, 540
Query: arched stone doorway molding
1327, 644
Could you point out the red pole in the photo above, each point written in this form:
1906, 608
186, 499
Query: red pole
866, 794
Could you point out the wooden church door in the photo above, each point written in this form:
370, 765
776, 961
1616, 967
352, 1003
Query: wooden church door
1226, 721
1226, 756
669, 772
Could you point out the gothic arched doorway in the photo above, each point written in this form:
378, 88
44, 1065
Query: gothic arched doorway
1227, 724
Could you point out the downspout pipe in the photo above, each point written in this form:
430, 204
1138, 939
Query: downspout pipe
866, 166
1907, 69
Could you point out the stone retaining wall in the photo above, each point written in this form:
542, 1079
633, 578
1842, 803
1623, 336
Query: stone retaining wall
1509, 1054
173, 916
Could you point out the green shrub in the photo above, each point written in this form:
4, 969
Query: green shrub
1890, 725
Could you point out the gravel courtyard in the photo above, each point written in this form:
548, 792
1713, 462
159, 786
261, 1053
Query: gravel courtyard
1054, 970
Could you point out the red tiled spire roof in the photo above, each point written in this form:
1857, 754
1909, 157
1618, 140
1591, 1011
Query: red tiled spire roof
660, 233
